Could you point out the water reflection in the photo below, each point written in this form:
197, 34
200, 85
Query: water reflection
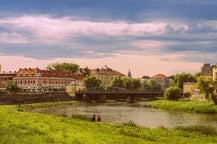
142, 116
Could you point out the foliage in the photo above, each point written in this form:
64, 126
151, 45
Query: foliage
92, 81
208, 87
185, 106
146, 77
12, 88
67, 67
207, 130
24, 127
179, 79
117, 82
125, 82
85, 71
152, 82
172, 93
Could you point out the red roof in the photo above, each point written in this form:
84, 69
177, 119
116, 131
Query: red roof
45, 73
159, 76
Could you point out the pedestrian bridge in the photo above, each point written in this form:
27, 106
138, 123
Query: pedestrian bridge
119, 92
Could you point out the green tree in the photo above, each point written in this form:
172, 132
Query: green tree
172, 93
12, 88
125, 82
179, 79
128, 84
208, 87
85, 71
152, 82
67, 67
117, 82
136, 83
92, 81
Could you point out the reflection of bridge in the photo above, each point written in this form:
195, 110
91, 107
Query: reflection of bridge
117, 92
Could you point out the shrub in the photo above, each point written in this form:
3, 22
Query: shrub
172, 93
207, 130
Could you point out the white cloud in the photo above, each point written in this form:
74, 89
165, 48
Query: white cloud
63, 27
13, 38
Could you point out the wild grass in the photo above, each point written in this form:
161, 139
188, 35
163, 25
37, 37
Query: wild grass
23, 127
185, 106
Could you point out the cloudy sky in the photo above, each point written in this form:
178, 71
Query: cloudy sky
145, 36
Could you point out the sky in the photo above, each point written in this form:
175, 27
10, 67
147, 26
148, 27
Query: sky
146, 37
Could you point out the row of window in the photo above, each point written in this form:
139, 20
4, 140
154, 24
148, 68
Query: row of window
33, 82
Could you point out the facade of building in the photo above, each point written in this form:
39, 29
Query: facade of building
5, 78
214, 72
206, 70
162, 80
189, 87
106, 75
209, 71
36, 80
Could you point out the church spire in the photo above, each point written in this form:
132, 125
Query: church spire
129, 74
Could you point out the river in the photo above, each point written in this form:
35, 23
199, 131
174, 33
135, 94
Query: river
142, 116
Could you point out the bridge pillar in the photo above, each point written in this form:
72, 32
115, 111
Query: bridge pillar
131, 99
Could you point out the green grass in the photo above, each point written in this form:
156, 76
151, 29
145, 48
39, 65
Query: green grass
185, 106
23, 127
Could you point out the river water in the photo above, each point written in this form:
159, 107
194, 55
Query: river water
142, 116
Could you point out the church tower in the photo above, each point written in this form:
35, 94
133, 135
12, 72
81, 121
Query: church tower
129, 74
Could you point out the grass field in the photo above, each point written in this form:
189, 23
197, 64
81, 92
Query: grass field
185, 106
23, 127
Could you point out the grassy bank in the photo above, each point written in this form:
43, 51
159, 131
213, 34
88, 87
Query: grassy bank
24, 127
185, 106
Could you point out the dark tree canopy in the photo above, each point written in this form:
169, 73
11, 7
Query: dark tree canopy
12, 88
92, 81
67, 67
125, 82
172, 93
208, 87
179, 79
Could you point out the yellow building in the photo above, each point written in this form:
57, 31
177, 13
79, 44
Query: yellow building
189, 87
6, 78
214, 71
106, 75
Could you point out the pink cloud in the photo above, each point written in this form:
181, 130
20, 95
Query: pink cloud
62, 27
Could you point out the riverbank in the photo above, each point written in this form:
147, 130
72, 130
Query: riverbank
185, 106
17, 126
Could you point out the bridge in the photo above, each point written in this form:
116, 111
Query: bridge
118, 92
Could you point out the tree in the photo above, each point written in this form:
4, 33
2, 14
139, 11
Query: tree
67, 67
85, 71
208, 88
12, 88
179, 79
125, 82
136, 83
117, 82
152, 82
92, 81
172, 93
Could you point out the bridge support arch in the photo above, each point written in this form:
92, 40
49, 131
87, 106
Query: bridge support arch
131, 98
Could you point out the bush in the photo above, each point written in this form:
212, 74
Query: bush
172, 93
207, 130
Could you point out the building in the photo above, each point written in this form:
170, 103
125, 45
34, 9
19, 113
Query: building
189, 88
5, 78
206, 70
105, 74
36, 80
209, 71
129, 74
214, 72
162, 80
